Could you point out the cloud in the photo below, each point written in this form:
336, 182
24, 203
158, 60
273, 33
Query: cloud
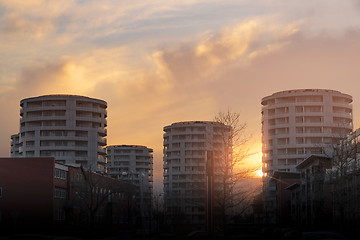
33, 19
14, 25
157, 90
199, 61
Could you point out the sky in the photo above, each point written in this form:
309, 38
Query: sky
158, 62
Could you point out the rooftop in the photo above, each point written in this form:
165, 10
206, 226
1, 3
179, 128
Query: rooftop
304, 91
194, 123
62, 95
128, 146
310, 159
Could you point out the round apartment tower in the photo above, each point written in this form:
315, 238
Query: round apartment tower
298, 123
185, 152
132, 163
68, 127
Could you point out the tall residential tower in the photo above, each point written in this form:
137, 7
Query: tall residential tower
298, 123
186, 145
295, 125
68, 127
134, 164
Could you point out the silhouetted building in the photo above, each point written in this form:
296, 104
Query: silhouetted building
280, 211
39, 194
314, 198
343, 183
328, 195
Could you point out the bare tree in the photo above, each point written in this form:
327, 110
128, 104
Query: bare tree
97, 193
344, 183
230, 194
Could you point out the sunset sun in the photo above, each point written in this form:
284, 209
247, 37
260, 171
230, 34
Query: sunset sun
259, 173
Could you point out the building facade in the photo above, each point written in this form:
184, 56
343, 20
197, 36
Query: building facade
295, 125
39, 194
343, 183
282, 208
186, 145
15, 145
312, 208
70, 128
134, 164
298, 123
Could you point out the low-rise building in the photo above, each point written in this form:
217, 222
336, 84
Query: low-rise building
39, 194
343, 181
313, 193
279, 211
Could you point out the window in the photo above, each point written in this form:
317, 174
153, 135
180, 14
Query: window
61, 174
60, 193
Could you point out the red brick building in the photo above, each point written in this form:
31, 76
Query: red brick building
37, 193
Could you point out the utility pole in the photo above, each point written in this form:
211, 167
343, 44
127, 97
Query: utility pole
209, 192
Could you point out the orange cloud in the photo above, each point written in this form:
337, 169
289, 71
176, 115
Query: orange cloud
171, 85
33, 19
231, 45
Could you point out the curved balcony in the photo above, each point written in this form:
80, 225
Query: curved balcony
38, 128
102, 132
267, 148
281, 115
314, 134
53, 137
92, 109
101, 141
43, 118
342, 115
341, 104
282, 125
309, 114
312, 124
63, 148
308, 104
92, 119
42, 108
101, 151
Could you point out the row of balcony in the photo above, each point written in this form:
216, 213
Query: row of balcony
74, 148
310, 124
300, 104
101, 131
307, 114
82, 108
69, 138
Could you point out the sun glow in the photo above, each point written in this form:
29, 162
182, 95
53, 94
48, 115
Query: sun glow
259, 173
